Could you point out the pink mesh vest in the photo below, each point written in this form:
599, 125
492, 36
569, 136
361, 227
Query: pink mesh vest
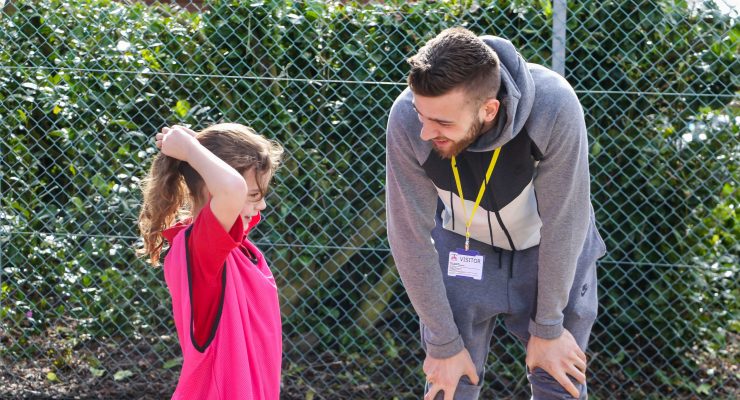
243, 360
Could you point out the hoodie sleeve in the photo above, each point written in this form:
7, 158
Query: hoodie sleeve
411, 202
563, 201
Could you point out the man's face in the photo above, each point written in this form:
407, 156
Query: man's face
450, 121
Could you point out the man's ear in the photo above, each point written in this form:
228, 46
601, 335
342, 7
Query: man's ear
490, 108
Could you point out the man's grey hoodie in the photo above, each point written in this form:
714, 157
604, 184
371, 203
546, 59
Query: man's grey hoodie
538, 195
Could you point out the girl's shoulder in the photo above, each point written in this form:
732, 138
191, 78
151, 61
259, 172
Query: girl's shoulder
171, 233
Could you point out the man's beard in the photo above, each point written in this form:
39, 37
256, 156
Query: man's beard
457, 147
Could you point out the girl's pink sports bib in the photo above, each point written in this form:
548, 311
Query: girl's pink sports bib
243, 359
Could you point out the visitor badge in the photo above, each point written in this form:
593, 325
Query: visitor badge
465, 263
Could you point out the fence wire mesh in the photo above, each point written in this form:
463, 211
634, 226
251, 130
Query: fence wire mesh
84, 85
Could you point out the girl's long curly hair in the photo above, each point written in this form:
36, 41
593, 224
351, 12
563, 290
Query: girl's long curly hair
173, 186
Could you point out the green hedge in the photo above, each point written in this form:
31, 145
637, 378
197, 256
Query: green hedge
85, 84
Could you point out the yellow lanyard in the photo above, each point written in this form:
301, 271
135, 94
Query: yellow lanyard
480, 192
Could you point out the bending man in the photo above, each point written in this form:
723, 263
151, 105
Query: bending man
489, 214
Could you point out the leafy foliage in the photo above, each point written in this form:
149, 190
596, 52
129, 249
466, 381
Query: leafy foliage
85, 84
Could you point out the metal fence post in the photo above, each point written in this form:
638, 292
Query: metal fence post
559, 16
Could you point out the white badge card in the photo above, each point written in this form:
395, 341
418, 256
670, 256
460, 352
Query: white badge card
465, 263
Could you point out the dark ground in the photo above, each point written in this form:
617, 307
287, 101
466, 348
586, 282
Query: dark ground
330, 377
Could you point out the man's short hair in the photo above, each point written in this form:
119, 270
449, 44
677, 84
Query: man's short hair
455, 59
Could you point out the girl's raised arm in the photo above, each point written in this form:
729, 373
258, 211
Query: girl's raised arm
226, 187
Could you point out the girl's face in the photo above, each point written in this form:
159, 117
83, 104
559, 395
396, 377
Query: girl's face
255, 201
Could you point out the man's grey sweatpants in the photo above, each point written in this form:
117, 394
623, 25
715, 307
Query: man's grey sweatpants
512, 293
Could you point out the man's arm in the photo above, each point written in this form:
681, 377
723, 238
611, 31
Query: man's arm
411, 202
563, 201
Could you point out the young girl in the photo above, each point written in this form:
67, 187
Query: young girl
224, 298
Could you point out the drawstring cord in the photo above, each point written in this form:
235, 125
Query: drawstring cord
490, 233
452, 207
511, 264
492, 200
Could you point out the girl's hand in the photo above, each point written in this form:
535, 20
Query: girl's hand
188, 130
176, 142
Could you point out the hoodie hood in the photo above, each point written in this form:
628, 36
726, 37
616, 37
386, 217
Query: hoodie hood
516, 105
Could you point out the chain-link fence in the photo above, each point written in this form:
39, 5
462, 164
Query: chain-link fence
84, 84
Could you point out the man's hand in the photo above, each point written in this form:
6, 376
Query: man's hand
558, 357
443, 374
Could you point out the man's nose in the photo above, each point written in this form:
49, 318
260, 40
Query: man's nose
427, 133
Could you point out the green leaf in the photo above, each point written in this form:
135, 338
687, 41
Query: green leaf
100, 184
52, 377
704, 388
616, 360
172, 363
595, 149
97, 372
546, 6
122, 374
727, 189
79, 205
181, 108
122, 123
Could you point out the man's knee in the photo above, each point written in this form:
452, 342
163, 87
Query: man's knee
465, 389
545, 387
